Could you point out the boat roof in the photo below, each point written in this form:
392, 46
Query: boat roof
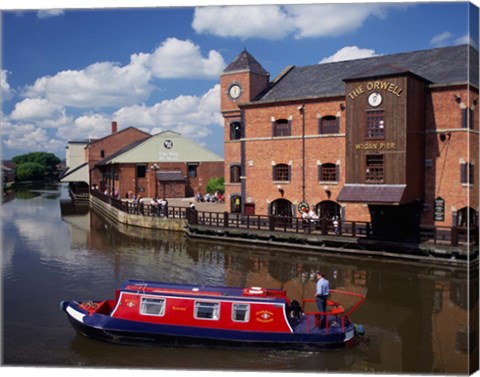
192, 290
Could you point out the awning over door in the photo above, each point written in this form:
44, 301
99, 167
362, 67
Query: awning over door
372, 194
78, 174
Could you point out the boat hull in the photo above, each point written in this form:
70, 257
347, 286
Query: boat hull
105, 328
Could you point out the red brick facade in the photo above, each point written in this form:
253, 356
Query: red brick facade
106, 146
305, 151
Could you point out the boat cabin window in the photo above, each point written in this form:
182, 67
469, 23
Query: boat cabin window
152, 306
240, 312
207, 310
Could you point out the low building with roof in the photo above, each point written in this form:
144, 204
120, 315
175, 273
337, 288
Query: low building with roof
391, 140
165, 165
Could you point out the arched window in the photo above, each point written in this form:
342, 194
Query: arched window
281, 127
281, 207
328, 209
281, 172
329, 125
235, 130
235, 172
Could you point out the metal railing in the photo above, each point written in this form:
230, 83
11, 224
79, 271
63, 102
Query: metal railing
450, 236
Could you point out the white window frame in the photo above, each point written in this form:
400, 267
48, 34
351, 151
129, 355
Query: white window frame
235, 308
161, 301
215, 310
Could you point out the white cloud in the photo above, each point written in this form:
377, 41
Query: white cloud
268, 21
6, 91
107, 84
441, 39
190, 115
34, 109
276, 22
28, 137
349, 53
42, 14
99, 85
90, 126
176, 58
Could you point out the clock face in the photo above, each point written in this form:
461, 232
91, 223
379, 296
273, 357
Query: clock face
235, 91
375, 99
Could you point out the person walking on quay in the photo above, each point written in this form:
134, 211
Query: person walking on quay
321, 294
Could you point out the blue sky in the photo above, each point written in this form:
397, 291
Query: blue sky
66, 74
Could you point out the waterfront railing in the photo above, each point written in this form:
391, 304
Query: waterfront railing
437, 235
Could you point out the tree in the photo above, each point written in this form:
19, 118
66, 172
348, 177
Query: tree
48, 160
30, 171
35, 165
216, 184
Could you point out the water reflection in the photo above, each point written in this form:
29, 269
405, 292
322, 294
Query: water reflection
416, 316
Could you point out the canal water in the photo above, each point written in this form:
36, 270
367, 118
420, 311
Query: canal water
415, 316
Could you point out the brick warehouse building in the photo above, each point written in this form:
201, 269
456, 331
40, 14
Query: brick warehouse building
390, 139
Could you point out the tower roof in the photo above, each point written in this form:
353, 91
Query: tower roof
245, 62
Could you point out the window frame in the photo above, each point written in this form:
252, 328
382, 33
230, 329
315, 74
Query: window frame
138, 171
215, 310
247, 312
279, 170
327, 171
373, 176
282, 128
235, 173
235, 131
192, 167
375, 125
161, 313
327, 124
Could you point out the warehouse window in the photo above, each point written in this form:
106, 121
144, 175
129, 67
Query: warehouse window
141, 171
466, 173
281, 172
328, 125
235, 131
281, 127
375, 125
374, 168
328, 173
235, 171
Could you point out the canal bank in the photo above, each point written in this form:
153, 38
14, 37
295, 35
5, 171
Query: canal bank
220, 227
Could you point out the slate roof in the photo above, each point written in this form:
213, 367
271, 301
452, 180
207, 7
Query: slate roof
245, 62
446, 65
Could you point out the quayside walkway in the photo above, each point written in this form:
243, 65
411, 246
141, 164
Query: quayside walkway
209, 222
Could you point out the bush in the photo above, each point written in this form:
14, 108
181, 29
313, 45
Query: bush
30, 171
216, 184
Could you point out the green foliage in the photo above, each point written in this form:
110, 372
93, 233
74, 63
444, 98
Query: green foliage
30, 171
216, 184
47, 160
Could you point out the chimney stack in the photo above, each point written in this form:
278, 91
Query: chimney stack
114, 127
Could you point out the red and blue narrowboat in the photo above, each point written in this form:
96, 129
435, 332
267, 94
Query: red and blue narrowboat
174, 314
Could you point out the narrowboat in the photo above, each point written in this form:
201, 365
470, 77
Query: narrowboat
179, 314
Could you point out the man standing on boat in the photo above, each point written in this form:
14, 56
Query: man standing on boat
322, 292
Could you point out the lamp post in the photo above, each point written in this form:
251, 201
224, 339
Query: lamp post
155, 167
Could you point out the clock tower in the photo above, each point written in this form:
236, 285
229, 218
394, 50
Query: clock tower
241, 82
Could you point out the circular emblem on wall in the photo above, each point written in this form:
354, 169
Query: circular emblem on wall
375, 99
235, 91
168, 144
303, 206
